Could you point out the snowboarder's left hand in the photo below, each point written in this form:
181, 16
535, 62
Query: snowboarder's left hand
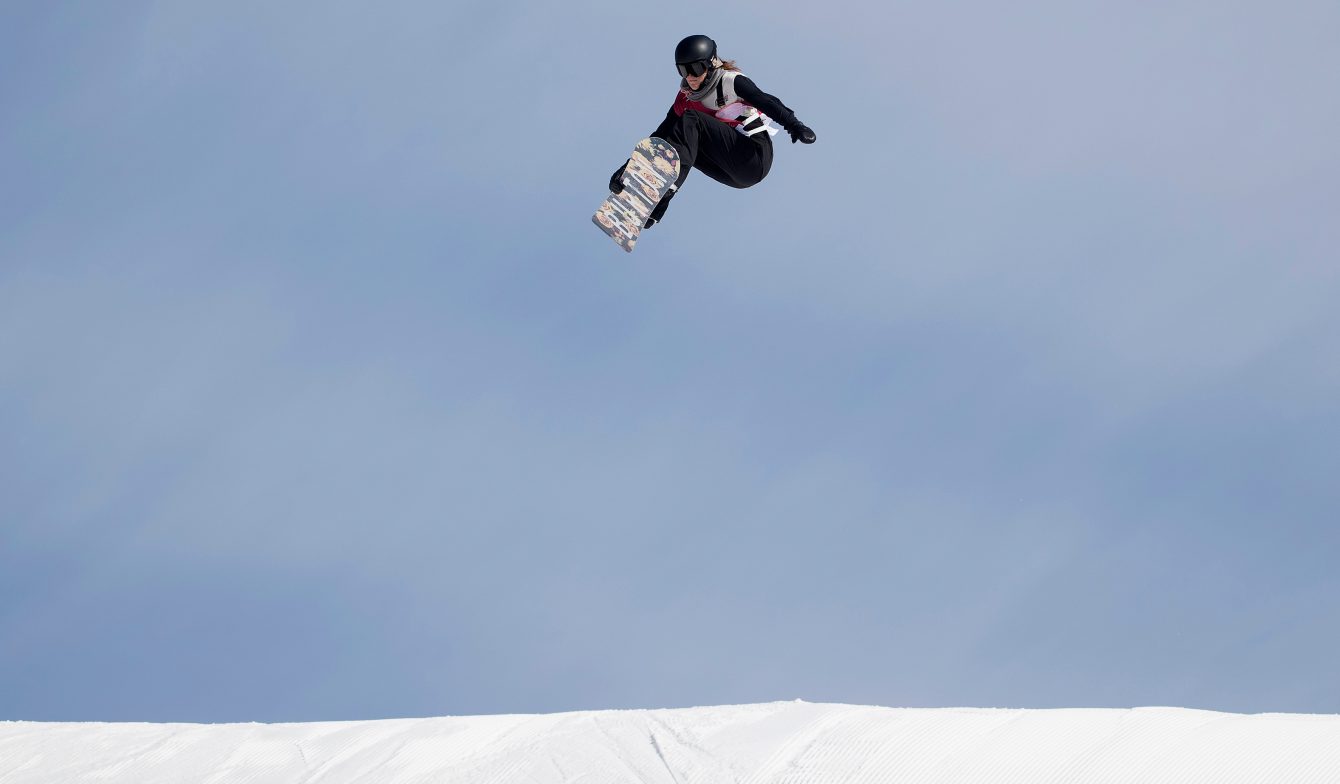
802, 133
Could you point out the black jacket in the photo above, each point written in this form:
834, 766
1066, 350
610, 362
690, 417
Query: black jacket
750, 94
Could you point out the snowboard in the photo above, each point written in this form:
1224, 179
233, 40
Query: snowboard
652, 169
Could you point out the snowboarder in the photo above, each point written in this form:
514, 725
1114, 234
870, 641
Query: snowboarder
721, 123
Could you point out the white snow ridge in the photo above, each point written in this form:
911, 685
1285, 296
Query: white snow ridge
775, 743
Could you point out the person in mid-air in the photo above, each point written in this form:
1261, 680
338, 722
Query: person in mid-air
721, 123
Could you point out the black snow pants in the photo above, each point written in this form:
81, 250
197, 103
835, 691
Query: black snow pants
719, 151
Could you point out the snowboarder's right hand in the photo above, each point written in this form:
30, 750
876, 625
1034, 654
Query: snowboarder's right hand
616, 181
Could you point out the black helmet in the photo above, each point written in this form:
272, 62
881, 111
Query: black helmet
694, 55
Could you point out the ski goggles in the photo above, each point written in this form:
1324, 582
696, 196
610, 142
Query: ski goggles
695, 68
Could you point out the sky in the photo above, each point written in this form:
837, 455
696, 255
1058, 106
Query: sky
322, 398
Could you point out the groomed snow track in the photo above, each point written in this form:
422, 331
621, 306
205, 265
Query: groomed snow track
774, 743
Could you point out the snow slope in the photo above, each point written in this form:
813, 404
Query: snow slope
784, 742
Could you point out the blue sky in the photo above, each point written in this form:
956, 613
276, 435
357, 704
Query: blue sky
320, 397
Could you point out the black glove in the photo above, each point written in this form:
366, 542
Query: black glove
801, 133
659, 211
616, 181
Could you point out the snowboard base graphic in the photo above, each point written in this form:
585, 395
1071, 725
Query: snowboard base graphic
652, 169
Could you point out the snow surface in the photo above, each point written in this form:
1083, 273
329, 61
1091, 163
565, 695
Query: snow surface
776, 743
